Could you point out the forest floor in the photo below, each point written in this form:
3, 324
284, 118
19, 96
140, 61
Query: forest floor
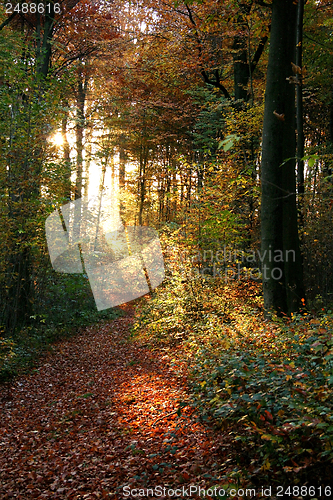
100, 414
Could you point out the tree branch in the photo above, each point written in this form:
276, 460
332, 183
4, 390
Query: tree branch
7, 21
259, 51
216, 83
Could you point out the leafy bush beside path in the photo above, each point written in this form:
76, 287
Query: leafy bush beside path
268, 383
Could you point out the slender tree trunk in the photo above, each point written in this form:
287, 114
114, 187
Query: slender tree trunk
122, 177
331, 118
174, 193
160, 198
79, 129
299, 109
113, 173
200, 175
85, 200
67, 159
142, 181
327, 167
241, 65
167, 204
87, 162
282, 268
122, 163
181, 189
189, 187
100, 197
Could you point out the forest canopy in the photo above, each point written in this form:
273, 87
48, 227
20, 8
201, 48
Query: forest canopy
163, 104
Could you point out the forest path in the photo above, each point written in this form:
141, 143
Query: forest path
90, 421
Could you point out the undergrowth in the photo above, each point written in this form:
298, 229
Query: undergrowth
267, 384
70, 305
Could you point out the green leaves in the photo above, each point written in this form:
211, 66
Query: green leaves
228, 142
282, 392
311, 159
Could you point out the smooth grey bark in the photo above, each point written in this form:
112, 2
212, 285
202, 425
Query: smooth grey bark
282, 278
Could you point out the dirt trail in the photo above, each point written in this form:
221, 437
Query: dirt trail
90, 422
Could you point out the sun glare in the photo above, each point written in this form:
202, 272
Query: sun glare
58, 139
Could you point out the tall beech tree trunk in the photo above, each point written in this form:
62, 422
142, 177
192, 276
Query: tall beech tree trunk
282, 266
299, 110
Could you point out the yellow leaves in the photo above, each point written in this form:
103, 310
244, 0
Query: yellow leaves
315, 321
215, 400
228, 388
288, 377
267, 464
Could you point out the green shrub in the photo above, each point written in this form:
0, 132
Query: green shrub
276, 384
270, 384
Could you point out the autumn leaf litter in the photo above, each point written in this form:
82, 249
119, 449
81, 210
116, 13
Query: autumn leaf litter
99, 414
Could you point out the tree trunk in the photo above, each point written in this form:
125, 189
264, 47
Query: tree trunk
299, 109
327, 167
241, 65
122, 162
67, 159
80, 124
142, 181
282, 267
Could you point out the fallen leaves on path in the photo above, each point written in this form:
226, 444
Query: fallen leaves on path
101, 414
